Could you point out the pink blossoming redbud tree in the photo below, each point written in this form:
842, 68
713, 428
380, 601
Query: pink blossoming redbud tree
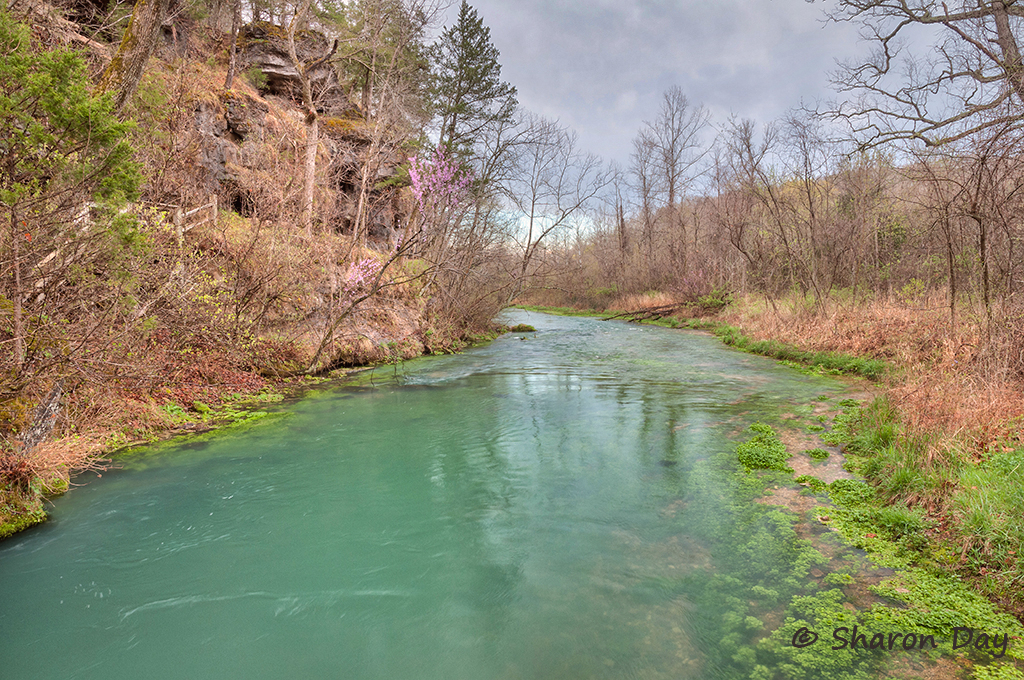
439, 185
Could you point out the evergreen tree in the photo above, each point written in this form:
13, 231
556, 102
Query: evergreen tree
64, 157
466, 87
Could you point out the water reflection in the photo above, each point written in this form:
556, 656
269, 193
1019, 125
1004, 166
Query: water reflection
549, 508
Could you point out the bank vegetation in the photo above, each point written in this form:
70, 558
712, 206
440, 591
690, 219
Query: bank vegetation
207, 201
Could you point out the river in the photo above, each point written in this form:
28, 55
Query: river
561, 504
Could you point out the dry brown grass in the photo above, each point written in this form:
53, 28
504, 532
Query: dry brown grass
643, 301
957, 381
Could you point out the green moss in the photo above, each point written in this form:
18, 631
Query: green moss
815, 484
17, 513
21, 522
764, 451
522, 328
346, 128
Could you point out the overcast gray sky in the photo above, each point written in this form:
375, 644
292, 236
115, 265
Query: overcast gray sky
601, 66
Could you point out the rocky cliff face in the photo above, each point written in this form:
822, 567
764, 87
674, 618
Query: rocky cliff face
264, 46
235, 140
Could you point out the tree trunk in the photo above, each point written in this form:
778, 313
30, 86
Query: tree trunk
124, 71
236, 19
1008, 45
19, 330
983, 251
312, 128
312, 140
950, 262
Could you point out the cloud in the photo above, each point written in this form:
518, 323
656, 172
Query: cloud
626, 102
603, 65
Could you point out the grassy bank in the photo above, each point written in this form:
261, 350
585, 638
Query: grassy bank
960, 515
942, 446
897, 596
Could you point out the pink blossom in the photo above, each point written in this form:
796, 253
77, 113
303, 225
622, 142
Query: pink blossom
360, 276
437, 182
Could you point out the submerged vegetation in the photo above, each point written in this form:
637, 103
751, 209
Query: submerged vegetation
913, 611
764, 452
154, 279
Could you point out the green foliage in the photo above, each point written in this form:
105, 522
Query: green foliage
997, 672
256, 77
817, 454
864, 430
59, 139
466, 90
717, 300
988, 516
815, 484
175, 413
838, 579
522, 328
850, 492
764, 452
912, 292
983, 501
937, 603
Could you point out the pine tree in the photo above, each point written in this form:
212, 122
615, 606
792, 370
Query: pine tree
64, 155
466, 87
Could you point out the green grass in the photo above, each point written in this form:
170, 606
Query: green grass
979, 503
826, 362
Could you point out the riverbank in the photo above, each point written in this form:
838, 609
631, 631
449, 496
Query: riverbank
942, 440
196, 393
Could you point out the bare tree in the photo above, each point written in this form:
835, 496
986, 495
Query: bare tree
643, 170
666, 152
554, 182
974, 79
675, 136
312, 121
236, 20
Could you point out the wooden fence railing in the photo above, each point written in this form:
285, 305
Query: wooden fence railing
183, 223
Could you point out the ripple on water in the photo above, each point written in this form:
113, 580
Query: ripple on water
557, 507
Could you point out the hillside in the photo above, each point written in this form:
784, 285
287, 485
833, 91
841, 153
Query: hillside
155, 305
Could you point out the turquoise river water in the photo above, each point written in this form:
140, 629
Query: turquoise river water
556, 505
